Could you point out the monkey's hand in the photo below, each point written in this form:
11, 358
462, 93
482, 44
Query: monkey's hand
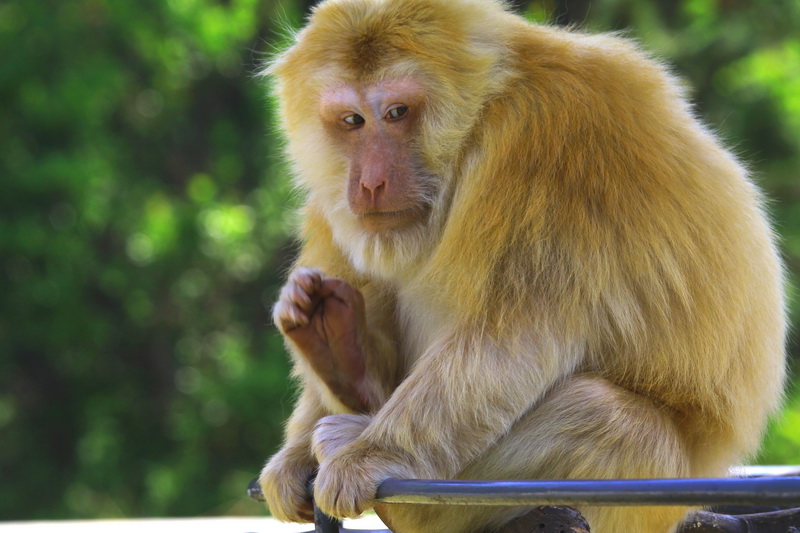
325, 319
284, 485
336, 431
350, 472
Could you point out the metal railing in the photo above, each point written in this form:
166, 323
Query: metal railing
771, 493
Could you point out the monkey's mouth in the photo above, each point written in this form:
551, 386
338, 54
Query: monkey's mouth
380, 221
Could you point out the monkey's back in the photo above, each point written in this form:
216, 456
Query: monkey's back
687, 280
609, 211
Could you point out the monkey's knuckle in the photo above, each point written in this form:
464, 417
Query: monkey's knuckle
284, 497
354, 500
329, 420
285, 292
319, 447
355, 422
336, 431
282, 316
279, 311
340, 497
295, 294
308, 271
280, 511
296, 275
283, 484
324, 442
324, 496
305, 275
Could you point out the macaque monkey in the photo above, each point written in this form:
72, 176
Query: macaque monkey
523, 258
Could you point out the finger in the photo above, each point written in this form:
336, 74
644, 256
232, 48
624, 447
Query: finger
288, 316
341, 290
309, 279
299, 317
300, 298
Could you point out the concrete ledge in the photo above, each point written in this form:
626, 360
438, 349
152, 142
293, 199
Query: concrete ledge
177, 525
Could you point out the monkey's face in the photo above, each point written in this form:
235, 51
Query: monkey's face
376, 125
379, 101
382, 202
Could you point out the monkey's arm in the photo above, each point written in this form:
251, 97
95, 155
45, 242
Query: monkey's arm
461, 397
284, 478
344, 366
339, 325
325, 320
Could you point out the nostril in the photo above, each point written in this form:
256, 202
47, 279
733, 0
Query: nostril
373, 187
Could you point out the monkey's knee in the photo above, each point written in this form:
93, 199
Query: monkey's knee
608, 431
587, 428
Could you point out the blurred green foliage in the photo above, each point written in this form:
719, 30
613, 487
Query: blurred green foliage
145, 228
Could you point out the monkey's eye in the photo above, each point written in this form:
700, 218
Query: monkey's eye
354, 120
397, 112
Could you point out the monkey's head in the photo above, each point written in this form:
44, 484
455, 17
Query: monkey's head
378, 100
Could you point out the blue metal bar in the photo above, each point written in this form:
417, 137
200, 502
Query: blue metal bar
770, 491
783, 491
324, 523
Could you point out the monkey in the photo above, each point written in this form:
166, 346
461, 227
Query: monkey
523, 257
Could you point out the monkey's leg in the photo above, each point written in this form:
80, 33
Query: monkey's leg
584, 428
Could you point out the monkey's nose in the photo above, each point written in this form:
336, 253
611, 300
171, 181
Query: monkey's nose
373, 187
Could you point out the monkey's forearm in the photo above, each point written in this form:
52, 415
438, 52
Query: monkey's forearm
379, 380
284, 478
300, 427
354, 390
351, 379
425, 416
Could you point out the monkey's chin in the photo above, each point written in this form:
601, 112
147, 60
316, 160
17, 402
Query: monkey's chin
388, 221
392, 252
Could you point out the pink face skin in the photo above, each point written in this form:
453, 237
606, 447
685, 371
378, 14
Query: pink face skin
375, 124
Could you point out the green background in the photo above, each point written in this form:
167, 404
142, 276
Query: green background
145, 228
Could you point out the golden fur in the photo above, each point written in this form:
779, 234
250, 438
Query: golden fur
597, 293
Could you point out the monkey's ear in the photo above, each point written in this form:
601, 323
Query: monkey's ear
270, 67
280, 53
274, 64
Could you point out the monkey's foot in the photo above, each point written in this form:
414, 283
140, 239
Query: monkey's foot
547, 519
